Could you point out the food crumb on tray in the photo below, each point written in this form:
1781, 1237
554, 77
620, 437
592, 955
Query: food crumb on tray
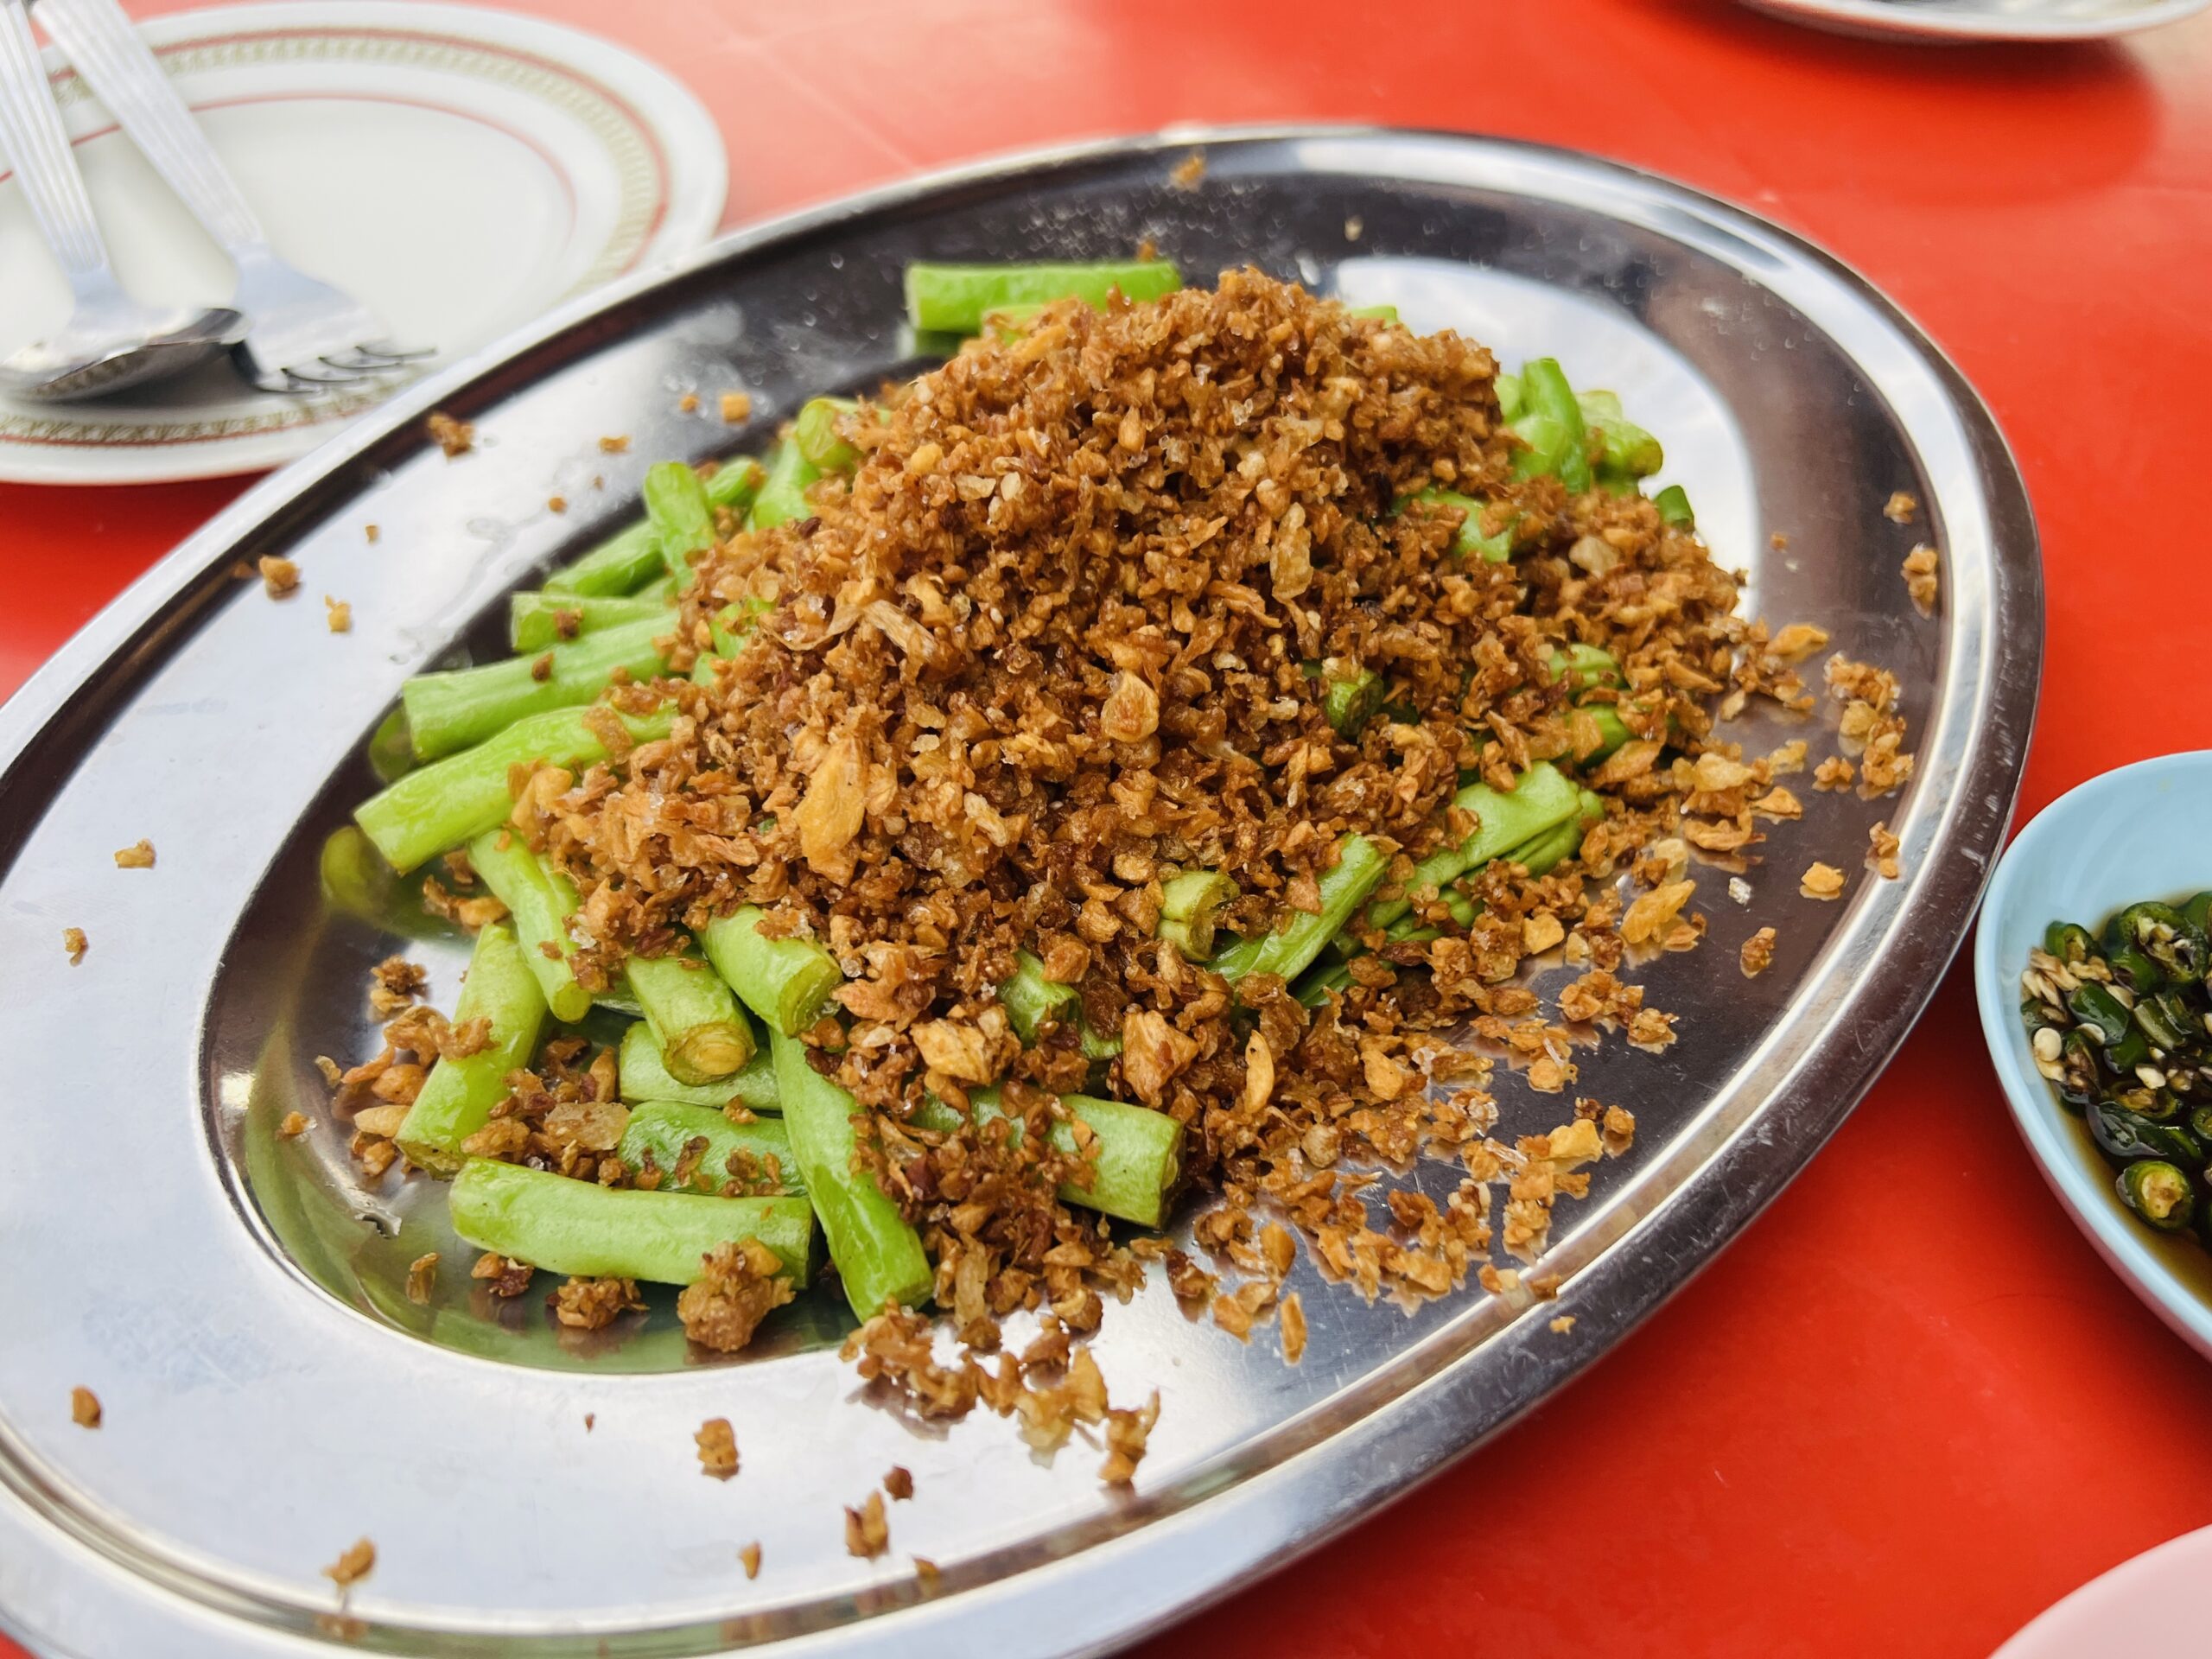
83, 1408
355, 1563
454, 437
717, 1443
868, 1534
74, 941
139, 855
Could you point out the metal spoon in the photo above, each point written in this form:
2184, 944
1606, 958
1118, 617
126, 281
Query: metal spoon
111, 341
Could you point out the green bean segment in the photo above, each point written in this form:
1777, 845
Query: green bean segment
442, 804
457, 1095
878, 1254
955, 299
1134, 1152
787, 981
580, 1228
459, 707
539, 902
754, 1158
643, 1072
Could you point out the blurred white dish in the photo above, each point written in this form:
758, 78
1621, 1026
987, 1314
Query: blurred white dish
2140, 1603
1982, 20
2133, 834
460, 171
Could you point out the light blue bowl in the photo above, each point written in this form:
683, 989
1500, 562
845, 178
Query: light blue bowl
2134, 834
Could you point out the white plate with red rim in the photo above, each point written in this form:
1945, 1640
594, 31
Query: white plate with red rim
459, 171
1958, 22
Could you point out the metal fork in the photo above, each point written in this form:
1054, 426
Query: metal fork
303, 334
111, 341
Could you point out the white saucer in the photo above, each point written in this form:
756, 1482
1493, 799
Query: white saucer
459, 171
1982, 20
2146, 1603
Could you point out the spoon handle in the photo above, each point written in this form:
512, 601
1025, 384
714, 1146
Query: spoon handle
33, 138
124, 71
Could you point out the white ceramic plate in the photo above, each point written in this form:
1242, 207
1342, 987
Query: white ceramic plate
2143, 1603
2134, 834
1982, 20
460, 171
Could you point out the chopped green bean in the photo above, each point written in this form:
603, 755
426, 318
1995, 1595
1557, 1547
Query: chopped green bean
815, 435
1190, 905
442, 806
787, 981
1543, 797
453, 710
537, 620
783, 497
539, 902
564, 1225
1674, 504
1030, 999
954, 299
644, 1072
1345, 886
665, 1129
457, 1095
621, 564
1136, 1163
878, 1253
703, 1037
681, 516
1470, 541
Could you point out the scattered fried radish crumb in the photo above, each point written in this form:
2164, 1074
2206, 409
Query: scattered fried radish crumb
1563, 1323
927, 1571
1900, 507
1795, 641
1921, 580
1882, 851
1353, 226
868, 1534
84, 1408
615, 446
736, 406
899, 1483
454, 437
1758, 953
373, 533
333, 1073
74, 942
590, 1418
1739, 890
1821, 881
279, 575
1188, 171
717, 1448
1292, 1317
688, 404
1127, 1433
294, 1126
750, 1556
354, 1564
556, 503
339, 613
422, 1279
1778, 541
1834, 773
139, 855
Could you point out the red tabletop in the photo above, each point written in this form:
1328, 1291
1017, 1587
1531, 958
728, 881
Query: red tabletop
1887, 1420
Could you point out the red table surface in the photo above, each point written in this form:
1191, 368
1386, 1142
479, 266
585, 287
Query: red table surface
1887, 1418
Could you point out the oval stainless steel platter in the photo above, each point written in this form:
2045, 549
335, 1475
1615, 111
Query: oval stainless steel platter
270, 1397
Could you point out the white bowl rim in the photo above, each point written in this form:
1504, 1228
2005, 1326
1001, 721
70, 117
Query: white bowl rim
2087, 1194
